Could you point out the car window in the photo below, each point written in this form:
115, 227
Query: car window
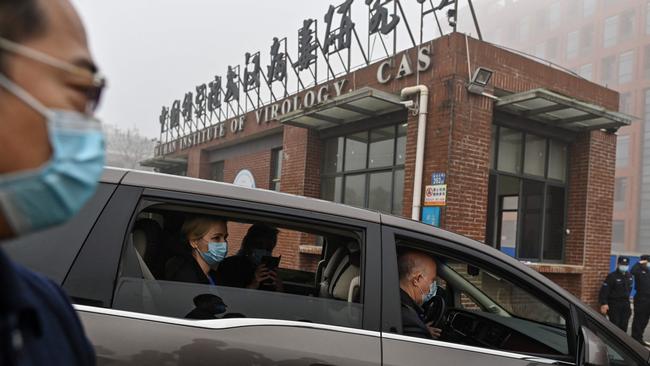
485, 309
317, 270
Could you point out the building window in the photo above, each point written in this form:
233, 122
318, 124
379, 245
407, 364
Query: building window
528, 187
625, 103
524, 29
586, 71
586, 40
551, 49
216, 171
626, 67
618, 235
627, 25
622, 151
610, 34
540, 50
620, 193
276, 169
588, 8
647, 18
572, 44
554, 15
366, 169
608, 67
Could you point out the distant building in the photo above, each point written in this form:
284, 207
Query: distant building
127, 148
607, 42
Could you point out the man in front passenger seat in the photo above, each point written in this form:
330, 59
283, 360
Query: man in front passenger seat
417, 275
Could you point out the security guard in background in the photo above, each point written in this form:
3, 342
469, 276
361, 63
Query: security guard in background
641, 275
615, 294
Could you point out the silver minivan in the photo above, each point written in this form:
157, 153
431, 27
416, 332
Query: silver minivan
340, 300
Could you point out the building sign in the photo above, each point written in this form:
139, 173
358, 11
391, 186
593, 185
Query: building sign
435, 195
438, 178
431, 216
244, 179
214, 109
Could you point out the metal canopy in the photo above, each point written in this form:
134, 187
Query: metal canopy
560, 111
163, 162
357, 105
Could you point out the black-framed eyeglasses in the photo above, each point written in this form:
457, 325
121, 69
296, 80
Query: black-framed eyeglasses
97, 84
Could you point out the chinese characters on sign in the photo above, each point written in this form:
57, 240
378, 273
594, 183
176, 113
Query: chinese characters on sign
435, 195
277, 71
214, 97
252, 72
307, 45
232, 85
203, 106
379, 18
438, 178
340, 38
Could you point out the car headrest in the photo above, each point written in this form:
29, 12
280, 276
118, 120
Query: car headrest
150, 227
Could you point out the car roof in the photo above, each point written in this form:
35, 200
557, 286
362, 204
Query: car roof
226, 190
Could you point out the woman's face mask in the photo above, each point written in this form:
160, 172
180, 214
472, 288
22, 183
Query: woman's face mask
53, 193
216, 253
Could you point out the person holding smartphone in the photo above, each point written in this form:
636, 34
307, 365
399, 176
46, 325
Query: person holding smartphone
254, 266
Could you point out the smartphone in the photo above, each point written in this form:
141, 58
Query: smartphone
272, 263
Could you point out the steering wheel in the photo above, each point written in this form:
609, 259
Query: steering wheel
434, 311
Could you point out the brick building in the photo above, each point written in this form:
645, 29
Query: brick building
529, 163
607, 42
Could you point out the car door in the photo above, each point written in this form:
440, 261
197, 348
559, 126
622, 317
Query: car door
133, 318
475, 329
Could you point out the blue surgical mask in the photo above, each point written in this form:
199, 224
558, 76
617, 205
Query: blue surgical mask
216, 253
623, 268
433, 289
53, 193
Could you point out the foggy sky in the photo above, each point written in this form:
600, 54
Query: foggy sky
153, 52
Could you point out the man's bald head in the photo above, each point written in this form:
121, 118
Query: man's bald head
411, 262
417, 271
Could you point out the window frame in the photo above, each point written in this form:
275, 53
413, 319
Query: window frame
494, 222
367, 171
370, 266
277, 155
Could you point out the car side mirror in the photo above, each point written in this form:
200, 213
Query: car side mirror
592, 351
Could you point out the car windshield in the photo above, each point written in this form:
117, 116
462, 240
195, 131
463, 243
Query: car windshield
484, 291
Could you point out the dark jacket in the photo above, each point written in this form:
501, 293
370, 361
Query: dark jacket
412, 318
184, 268
642, 281
616, 288
236, 271
38, 326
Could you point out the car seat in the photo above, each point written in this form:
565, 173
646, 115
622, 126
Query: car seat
341, 275
148, 245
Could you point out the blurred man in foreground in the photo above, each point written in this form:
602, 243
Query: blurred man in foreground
51, 156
